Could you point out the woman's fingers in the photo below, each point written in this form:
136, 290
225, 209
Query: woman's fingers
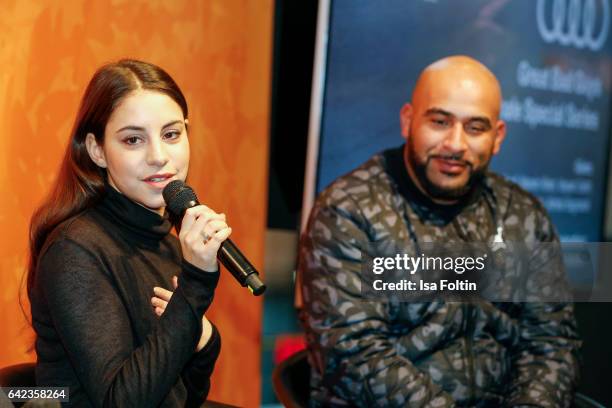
201, 236
162, 293
212, 227
194, 239
191, 215
205, 227
217, 239
159, 305
162, 297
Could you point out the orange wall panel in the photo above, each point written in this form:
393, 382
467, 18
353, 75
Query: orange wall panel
219, 52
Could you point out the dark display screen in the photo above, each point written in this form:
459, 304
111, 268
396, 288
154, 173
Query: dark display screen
552, 58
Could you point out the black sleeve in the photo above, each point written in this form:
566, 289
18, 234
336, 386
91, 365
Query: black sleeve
196, 375
95, 330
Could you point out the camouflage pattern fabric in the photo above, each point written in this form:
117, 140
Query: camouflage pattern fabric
434, 354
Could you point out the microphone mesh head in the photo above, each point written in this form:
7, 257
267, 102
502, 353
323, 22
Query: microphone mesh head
171, 189
182, 200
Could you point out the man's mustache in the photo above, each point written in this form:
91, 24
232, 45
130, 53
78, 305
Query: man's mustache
451, 157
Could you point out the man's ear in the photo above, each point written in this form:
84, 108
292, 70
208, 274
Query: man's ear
406, 119
95, 151
500, 134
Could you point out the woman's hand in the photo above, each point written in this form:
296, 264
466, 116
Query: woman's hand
160, 301
162, 297
202, 233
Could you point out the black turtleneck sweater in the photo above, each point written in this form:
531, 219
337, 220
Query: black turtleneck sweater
97, 332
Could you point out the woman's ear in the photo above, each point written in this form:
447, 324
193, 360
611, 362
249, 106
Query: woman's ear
95, 151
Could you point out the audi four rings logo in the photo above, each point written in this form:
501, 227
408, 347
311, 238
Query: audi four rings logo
574, 22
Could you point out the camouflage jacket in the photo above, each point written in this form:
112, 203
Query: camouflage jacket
427, 354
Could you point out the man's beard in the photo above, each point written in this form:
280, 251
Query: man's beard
476, 176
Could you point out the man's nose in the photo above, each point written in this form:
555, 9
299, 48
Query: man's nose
157, 154
456, 140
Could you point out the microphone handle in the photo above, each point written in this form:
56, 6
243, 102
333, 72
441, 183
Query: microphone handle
239, 266
235, 262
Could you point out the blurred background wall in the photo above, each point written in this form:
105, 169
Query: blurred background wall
219, 52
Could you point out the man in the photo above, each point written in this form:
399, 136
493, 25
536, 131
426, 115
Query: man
436, 188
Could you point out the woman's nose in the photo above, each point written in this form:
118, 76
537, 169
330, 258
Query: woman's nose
157, 154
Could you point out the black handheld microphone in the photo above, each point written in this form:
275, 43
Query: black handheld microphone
179, 197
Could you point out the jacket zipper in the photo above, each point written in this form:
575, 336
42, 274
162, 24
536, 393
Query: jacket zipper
470, 327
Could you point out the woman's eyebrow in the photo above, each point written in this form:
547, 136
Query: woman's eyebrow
141, 129
131, 127
174, 122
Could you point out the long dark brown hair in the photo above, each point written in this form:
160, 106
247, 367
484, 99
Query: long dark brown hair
80, 182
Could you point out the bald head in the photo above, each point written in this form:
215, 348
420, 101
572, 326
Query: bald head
458, 77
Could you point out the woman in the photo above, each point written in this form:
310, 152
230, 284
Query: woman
100, 244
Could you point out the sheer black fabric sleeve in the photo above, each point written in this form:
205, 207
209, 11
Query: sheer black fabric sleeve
95, 330
196, 375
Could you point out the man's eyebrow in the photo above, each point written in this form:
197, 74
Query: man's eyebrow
437, 111
141, 129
